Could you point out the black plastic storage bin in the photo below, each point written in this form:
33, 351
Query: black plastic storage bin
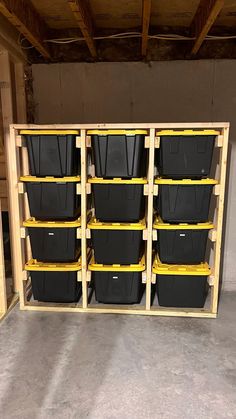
52, 153
54, 241
118, 199
57, 283
119, 243
117, 284
181, 285
184, 200
181, 243
185, 153
53, 198
119, 153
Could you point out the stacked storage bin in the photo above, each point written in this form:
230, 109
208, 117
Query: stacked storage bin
54, 163
117, 228
184, 193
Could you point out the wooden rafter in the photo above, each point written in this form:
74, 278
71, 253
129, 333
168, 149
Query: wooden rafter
26, 19
80, 9
145, 24
203, 20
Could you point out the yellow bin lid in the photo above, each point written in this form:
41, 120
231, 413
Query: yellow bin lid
34, 265
193, 270
133, 181
32, 222
140, 267
94, 224
161, 225
118, 132
50, 179
48, 132
161, 181
187, 132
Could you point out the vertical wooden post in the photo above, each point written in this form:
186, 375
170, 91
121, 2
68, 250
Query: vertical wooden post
20, 93
13, 171
219, 222
150, 217
84, 217
7, 116
3, 289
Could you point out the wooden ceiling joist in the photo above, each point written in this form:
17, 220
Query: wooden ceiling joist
203, 20
27, 21
80, 9
145, 25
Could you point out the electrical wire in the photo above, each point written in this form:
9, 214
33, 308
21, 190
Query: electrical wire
127, 35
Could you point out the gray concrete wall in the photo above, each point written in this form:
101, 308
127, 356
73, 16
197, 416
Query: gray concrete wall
177, 91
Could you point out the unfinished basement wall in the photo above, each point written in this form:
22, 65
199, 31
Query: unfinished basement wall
174, 91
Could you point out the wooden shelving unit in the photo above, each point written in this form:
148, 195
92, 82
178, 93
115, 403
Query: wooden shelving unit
18, 166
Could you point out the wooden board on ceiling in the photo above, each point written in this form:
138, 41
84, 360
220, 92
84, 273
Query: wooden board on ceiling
173, 12
56, 13
227, 16
117, 14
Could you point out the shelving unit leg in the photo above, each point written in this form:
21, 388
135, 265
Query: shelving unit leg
3, 288
84, 218
219, 222
150, 217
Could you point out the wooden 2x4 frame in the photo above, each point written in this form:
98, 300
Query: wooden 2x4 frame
18, 165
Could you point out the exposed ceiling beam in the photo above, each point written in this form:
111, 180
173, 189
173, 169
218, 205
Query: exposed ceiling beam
203, 20
145, 24
81, 11
27, 21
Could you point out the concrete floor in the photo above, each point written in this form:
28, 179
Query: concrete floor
108, 367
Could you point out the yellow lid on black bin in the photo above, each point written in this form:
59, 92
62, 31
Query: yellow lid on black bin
50, 179
116, 180
187, 132
163, 181
139, 267
126, 132
161, 225
160, 268
95, 224
34, 265
48, 132
32, 222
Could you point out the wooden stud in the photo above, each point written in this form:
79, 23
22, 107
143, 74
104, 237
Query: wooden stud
78, 142
157, 142
154, 235
27, 21
145, 234
212, 235
88, 188
150, 217
88, 141
145, 25
155, 190
3, 288
80, 9
205, 16
84, 218
78, 235
20, 141
219, 141
21, 188
21, 110
88, 233
146, 190
147, 142
219, 222
78, 189
217, 189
